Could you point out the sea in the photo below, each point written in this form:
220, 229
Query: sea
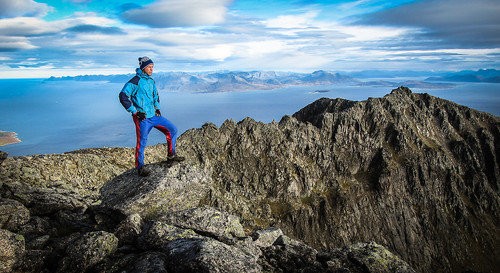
61, 116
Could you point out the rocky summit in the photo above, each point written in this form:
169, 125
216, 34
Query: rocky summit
404, 183
157, 224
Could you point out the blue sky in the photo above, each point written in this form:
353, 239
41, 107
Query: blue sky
74, 37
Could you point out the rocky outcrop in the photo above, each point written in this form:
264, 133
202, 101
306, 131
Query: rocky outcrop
410, 171
83, 171
107, 238
416, 174
165, 189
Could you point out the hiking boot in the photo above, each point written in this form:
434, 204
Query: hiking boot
143, 172
175, 158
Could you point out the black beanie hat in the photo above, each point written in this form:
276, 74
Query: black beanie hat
144, 61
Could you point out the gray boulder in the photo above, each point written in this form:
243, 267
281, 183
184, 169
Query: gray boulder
208, 255
144, 262
33, 261
248, 247
166, 189
368, 257
87, 251
289, 255
266, 237
13, 214
37, 226
157, 234
129, 229
150, 262
12, 248
208, 221
41, 201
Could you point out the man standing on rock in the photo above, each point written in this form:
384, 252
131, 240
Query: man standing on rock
140, 97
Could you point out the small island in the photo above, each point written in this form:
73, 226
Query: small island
8, 138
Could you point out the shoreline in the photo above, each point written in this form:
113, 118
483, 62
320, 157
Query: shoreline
7, 138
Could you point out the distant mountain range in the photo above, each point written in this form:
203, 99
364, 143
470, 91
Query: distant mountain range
410, 84
232, 81
227, 81
482, 75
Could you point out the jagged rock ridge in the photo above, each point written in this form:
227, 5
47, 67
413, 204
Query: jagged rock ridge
413, 172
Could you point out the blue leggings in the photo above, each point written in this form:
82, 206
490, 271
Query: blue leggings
142, 129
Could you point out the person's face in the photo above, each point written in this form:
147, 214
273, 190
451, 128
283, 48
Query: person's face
148, 69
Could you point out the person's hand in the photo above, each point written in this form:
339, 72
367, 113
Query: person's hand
158, 113
140, 116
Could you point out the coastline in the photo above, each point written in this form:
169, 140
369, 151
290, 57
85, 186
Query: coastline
8, 138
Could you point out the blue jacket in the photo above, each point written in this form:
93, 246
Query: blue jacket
140, 94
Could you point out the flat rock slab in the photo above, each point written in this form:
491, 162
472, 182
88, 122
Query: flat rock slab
208, 255
168, 188
209, 221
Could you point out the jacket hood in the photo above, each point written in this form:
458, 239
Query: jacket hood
141, 74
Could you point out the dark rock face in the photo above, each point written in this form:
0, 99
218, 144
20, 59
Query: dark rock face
410, 171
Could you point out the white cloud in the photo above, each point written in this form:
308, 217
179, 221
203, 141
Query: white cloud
88, 18
216, 53
292, 21
15, 8
179, 13
15, 43
259, 48
167, 37
372, 33
445, 23
26, 26
30, 26
18, 33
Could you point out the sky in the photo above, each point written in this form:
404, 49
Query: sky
40, 39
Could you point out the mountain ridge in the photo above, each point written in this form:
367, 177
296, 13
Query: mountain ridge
352, 171
230, 81
482, 75
235, 81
